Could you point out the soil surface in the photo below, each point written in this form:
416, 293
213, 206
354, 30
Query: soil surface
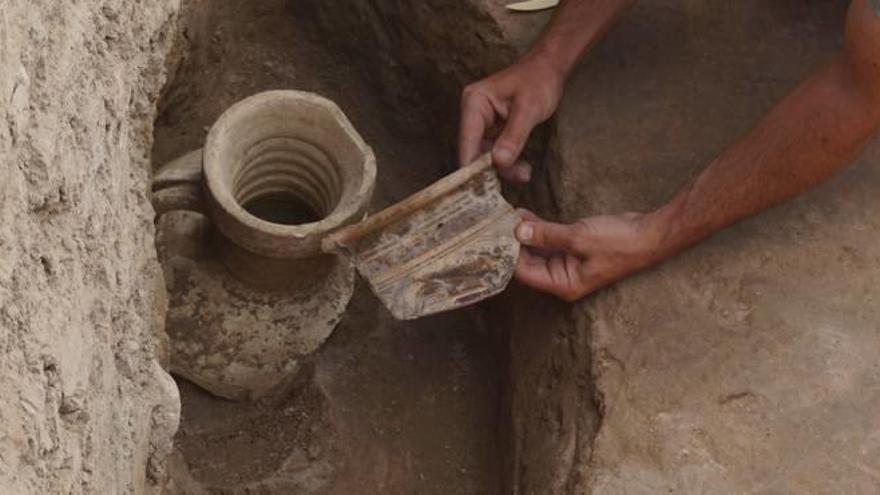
386, 406
747, 364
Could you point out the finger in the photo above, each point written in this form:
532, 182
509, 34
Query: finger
493, 131
546, 274
477, 115
470, 136
557, 268
486, 144
513, 174
510, 143
520, 172
547, 235
527, 214
532, 270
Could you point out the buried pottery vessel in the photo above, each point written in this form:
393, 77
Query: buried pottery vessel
240, 227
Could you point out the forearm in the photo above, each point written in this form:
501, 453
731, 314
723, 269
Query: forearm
575, 27
817, 129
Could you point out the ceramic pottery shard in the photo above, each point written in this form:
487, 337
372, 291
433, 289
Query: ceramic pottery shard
443, 248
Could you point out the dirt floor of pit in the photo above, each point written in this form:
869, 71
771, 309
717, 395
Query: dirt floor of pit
388, 407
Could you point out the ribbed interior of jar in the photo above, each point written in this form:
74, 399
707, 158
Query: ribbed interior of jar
287, 180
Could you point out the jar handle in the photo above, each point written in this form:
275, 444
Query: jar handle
177, 185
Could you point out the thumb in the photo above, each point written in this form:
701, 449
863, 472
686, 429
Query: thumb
513, 138
550, 236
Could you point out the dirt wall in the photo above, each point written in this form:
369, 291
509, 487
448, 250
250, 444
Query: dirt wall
418, 54
86, 407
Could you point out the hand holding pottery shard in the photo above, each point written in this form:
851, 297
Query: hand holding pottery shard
445, 247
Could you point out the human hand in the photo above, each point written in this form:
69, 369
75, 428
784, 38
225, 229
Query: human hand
508, 105
571, 261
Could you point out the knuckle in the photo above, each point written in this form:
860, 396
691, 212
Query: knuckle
579, 244
468, 95
472, 91
516, 135
587, 227
510, 141
581, 237
526, 101
532, 106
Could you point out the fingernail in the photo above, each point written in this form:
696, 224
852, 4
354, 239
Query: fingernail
524, 232
503, 156
524, 174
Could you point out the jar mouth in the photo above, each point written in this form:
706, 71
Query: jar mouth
283, 169
282, 208
288, 181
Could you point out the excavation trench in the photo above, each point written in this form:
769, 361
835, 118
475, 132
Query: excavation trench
492, 399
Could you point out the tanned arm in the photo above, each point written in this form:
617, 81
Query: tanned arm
820, 127
817, 129
527, 93
575, 27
